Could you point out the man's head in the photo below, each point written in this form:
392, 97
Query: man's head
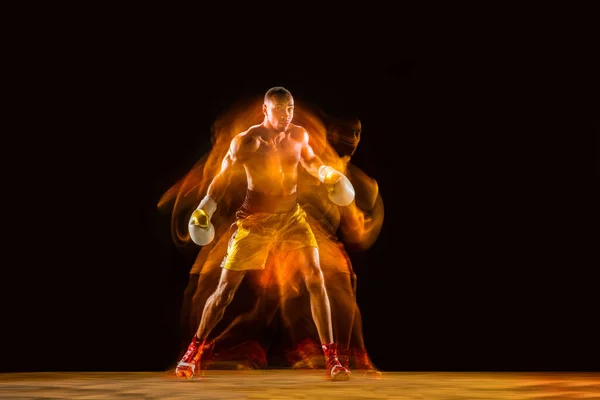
344, 135
278, 108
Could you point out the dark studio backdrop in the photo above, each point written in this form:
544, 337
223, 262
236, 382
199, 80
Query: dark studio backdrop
473, 269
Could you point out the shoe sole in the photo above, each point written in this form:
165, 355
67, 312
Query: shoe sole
340, 376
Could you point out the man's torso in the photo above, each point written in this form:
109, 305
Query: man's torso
271, 161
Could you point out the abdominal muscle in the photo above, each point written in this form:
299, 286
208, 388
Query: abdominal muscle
276, 181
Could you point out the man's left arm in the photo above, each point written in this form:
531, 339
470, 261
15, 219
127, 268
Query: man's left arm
341, 191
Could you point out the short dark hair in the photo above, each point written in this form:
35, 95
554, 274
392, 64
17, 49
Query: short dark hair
277, 91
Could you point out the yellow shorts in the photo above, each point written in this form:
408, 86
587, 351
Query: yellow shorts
260, 233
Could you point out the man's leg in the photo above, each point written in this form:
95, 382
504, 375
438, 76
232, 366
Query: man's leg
208, 281
218, 301
344, 310
308, 260
212, 314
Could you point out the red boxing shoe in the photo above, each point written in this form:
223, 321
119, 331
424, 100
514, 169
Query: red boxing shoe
190, 362
334, 370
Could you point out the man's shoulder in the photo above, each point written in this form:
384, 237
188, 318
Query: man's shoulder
298, 133
253, 130
245, 137
249, 133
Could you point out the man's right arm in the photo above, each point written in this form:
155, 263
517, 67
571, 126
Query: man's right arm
218, 186
201, 229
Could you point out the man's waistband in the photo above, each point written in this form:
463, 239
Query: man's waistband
268, 203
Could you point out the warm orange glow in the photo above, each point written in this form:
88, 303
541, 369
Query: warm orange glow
279, 288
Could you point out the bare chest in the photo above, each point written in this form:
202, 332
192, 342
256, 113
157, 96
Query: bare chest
280, 153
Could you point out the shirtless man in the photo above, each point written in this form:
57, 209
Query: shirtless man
269, 220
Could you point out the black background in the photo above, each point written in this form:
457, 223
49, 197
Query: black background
483, 260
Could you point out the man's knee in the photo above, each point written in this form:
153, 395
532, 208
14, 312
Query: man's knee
314, 277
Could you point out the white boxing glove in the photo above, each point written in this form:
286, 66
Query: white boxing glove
341, 191
202, 231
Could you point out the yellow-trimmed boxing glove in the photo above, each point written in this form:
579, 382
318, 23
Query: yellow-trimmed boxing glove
202, 231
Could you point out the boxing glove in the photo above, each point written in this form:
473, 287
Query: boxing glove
339, 188
201, 229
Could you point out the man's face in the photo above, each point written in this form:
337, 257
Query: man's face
279, 111
345, 136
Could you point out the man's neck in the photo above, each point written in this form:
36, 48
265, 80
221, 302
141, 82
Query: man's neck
270, 131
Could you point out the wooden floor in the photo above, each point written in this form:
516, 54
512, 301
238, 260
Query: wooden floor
299, 384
